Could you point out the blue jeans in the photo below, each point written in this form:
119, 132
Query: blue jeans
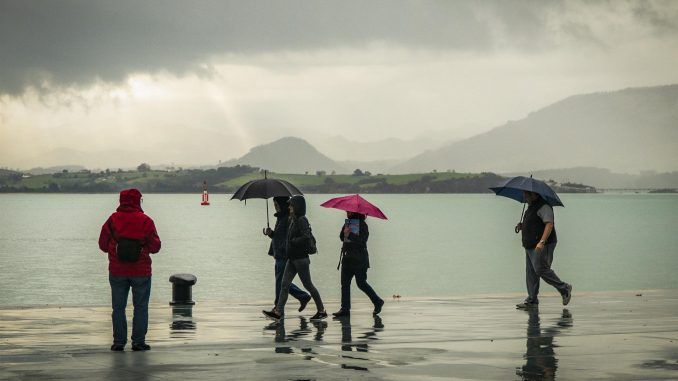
538, 266
360, 273
295, 291
141, 292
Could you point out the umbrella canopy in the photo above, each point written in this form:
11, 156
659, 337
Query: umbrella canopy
265, 188
354, 203
513, 188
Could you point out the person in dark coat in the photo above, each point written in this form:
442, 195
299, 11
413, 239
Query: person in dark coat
278, 250
299, 242
129, 237
539, 241
354, 263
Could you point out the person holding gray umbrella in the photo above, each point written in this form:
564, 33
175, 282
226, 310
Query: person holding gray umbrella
539, 236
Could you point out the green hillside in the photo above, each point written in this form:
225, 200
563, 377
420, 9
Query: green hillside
228, 179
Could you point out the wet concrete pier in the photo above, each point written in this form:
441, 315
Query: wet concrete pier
601, 335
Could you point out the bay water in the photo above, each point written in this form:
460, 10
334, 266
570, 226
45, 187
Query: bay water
432, 245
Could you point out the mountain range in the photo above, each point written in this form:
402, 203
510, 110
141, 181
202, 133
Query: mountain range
630, 130
625, 131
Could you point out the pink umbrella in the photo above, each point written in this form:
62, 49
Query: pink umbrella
354, 203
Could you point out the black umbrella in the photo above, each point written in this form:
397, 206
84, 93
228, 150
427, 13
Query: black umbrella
265, 188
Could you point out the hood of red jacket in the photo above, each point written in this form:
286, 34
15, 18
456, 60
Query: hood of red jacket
130, 201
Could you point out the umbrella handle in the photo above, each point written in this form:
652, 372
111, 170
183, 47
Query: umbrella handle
341, 257
522, 214
268, 224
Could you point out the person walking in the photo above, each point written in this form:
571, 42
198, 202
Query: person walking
355, 262
129, 237
539, 241
300, 243
278, 250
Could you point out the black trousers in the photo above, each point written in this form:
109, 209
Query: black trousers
349, 271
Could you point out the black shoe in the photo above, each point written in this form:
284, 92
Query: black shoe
303, 303
377, 307
567, 295
141, 347
319, 315
272, 314
118, 347
527, 305
342, 312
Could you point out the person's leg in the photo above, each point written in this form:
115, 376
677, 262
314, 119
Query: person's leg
543, 269
295, 291
279, 271
361, 282
303, 268
531, 276
119, 292
288, 275
141, 293
346, 277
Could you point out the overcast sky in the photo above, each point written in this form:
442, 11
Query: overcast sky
197, 82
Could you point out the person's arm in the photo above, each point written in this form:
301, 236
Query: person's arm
105, 236
152, 240
546, 215
548, 228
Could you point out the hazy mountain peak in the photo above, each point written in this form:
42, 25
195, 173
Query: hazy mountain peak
288, 155
626, 130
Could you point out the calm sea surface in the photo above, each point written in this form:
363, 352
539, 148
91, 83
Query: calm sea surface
432, 245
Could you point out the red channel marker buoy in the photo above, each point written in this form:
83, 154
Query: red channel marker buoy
205, 195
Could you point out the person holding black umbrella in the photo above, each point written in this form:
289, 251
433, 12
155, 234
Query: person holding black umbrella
278, 250
539, 240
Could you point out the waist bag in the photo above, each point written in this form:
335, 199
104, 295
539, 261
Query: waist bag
127, 249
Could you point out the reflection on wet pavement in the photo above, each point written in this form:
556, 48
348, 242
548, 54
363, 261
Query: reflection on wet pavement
541, 362
347, 340
182, 321
304, 330
618, 336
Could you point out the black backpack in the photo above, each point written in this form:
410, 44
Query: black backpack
312, 248
127, 249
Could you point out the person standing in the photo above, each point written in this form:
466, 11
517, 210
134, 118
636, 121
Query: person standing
355, 262
278, 250
129, 237
300, 244
539, 241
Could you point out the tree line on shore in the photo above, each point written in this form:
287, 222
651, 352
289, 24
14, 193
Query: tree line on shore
227, 179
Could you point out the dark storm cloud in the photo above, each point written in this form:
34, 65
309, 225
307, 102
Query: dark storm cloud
77, 42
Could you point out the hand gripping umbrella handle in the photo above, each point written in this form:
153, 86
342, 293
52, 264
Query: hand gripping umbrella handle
522, 214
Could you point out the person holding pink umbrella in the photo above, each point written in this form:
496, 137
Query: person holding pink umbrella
354, 259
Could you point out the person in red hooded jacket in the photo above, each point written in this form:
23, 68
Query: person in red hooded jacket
129, 227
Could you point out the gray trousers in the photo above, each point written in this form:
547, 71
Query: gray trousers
538, 265
301, 267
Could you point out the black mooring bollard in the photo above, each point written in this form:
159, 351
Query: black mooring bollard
181, 288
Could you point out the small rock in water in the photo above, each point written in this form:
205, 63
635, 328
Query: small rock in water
639, 294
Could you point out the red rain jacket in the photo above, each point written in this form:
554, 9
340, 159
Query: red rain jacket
129, 221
